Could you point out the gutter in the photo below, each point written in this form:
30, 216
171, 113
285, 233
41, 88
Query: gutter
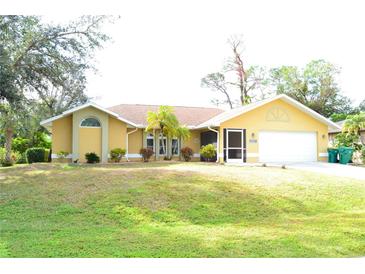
127, 141
216, 131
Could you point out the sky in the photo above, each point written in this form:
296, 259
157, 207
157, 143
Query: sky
162, 49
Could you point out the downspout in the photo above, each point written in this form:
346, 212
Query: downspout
216, 131
127, 142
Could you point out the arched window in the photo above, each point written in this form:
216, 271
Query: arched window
90, 122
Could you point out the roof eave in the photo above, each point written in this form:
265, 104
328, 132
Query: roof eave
48, 122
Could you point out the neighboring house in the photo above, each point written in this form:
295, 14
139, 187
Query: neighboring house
278, 129
333, 132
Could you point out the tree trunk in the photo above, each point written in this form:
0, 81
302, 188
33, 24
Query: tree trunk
8, 142
163, 143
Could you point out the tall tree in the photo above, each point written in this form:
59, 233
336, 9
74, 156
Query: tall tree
237, 78
37, 59
315, 86
217, 82
167, 125
10, 114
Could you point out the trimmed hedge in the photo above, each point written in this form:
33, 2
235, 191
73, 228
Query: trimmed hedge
37, 155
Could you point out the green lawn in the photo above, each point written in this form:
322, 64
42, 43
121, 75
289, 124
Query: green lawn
178, 210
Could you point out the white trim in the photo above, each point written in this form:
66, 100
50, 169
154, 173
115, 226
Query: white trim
89, 104
196, 155
216, 131
225, 116
133, 155
55, 156
323, 154
49, 120
252, 154
234, 160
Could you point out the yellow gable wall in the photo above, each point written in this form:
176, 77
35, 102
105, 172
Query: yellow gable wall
62, 135
90, 141
292, 119
117, 134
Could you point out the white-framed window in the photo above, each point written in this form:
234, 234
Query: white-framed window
90, 122
175, 146
150, 141
163, 141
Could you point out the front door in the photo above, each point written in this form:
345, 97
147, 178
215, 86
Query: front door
234, 145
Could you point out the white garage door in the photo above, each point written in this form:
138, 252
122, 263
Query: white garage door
280, 146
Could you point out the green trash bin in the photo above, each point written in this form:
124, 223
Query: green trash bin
345, 154
332, 155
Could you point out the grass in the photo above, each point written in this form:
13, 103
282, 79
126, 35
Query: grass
178, 210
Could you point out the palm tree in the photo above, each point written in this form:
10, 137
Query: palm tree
354, 123
167, 124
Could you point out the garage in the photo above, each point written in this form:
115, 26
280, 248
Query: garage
287, 146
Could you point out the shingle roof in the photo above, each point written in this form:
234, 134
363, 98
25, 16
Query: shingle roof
189, 116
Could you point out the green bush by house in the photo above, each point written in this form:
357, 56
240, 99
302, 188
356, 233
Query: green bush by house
37, 155
92, 158
117, 154
208, 152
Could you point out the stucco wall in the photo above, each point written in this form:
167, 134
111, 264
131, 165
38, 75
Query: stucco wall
117, 133
193, 142
62, 135
135, 141
103, 117
288, 118
90, 141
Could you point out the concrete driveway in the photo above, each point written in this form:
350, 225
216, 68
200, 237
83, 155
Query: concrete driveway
331, 169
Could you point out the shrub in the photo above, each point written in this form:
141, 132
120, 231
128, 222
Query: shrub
3, 162
7, 163
117, 154
2, 154
363, 154
36, 155
186, 153
16, 157
20, 144
21, 158
208, 152
146, 154
92, 158
347, 140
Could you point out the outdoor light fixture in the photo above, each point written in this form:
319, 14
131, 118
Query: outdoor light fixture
323, 136
252, 135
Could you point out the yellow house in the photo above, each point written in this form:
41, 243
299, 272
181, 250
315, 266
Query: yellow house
278, 129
